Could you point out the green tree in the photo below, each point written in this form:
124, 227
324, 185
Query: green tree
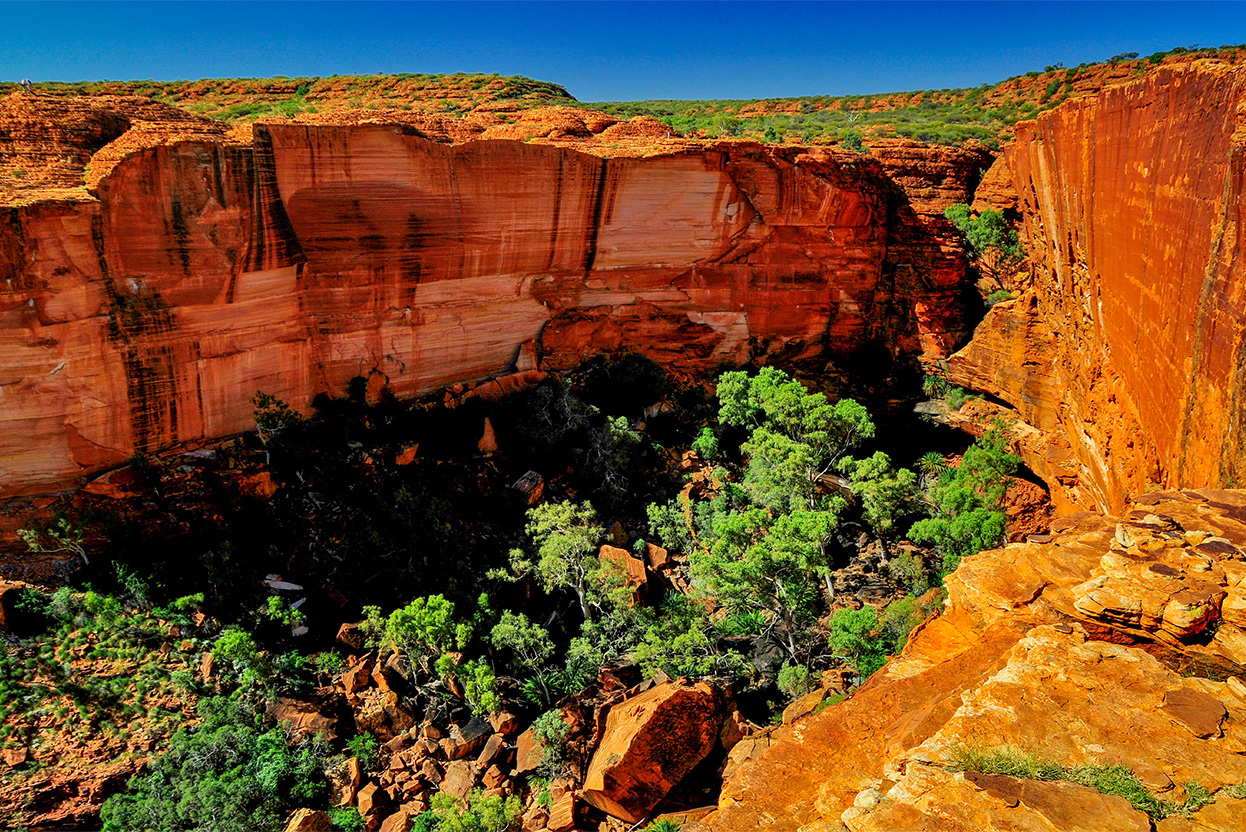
530, 644
992, 242
227, 774
966, 501
65, 537
774, 566
796, 436
854, 637
425, 631
479, 687
479, 813
566, 536
886, 493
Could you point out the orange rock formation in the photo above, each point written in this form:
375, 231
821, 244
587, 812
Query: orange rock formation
1093, 646
201, 265
1124, 367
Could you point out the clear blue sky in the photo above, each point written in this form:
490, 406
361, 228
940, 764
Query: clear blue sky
603, 50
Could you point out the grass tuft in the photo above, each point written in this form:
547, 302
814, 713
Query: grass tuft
1114, 780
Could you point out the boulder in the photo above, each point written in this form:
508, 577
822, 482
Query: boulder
505, 723
650, 743
635, 575
466, 740
460, 778
371, 801
344, 783
350, 637
309, 820
397, 822
490, 751
304, 717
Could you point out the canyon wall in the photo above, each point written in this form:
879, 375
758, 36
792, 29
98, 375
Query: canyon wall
203, 265
1124, 362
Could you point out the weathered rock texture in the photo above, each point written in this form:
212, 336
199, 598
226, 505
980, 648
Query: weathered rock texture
1126, 365
199, 265
1100, 645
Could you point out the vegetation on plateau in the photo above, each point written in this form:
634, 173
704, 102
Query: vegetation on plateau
1114, 779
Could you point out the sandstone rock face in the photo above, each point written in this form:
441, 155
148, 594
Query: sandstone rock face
650, 743
1127, 357
1089, 648
202, 266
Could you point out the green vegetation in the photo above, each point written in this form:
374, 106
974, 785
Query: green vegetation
566, 536
662, 825
966, 501
90, 654
993, 245
1114, 780
347, 819
229, 769
551, 731
480, 813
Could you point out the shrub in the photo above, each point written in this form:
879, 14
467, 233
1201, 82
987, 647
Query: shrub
852, 141
347, 819
479, 813
1109, 779
854, 637
551, 731
706, 444
363, 748
227, 774
794, 680
967, 500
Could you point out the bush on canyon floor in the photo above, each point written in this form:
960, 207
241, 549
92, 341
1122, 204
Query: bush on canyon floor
966, 500
229, 772
125, 672
479, 813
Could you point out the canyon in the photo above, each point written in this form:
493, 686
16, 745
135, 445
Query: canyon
202, 262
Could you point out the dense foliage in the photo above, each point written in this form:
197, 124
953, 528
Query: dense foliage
229, 772
966, 501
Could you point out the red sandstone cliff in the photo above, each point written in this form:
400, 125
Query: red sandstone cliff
1126, 363
202, 265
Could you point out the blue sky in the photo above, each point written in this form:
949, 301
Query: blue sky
603, 50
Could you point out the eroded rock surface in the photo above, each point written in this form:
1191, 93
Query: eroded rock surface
1114, 641
200, 264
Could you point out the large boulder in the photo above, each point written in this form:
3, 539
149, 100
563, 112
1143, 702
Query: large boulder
650, 744
309, 820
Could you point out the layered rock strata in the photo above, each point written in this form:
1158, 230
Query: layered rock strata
200, 268
1113, 641
1125, 362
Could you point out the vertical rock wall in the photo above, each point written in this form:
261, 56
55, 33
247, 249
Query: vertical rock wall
1128, 356
200, 269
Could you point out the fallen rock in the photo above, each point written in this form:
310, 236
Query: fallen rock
651, 742
460, 778
309, 820
8, 597
350, 637
635, 575
371, 801
344, 783
399, 821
